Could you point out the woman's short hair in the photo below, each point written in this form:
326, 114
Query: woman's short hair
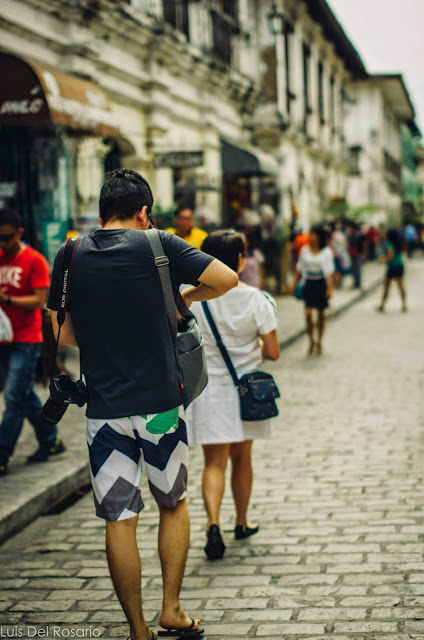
322, 235
225, 245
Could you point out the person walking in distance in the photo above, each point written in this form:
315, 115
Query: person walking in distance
117, 317
246, 319
24, 282
316, 270
355, 239
185, 228
395, 267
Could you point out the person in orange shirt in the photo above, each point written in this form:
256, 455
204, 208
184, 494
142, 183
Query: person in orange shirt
185, 229
301, 240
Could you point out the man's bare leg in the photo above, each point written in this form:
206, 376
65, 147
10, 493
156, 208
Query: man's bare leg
125, 569
174, 538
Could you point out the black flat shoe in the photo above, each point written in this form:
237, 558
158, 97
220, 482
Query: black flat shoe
241, 533
215, 547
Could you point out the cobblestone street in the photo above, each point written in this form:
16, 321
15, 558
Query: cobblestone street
338, 495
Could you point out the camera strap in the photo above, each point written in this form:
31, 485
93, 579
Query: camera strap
65, 282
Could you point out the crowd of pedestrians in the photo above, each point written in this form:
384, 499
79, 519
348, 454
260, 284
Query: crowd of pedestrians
138, 407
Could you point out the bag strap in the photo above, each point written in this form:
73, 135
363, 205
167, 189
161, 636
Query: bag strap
162, 263
65, 283
220, 344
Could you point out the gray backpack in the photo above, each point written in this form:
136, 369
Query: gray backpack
188, 341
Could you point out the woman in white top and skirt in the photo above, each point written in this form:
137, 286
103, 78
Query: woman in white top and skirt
247, 321
315, 270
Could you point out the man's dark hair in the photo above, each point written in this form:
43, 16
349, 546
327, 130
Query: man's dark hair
182, 207
322, 235
226, 245
11, 217
123, 193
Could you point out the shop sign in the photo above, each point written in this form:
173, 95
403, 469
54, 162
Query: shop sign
178, 160
21, 107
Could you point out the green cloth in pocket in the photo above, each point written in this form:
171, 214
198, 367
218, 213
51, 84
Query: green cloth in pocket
163, 422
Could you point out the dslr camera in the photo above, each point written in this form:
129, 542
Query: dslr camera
63, 392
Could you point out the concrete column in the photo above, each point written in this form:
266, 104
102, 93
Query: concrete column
163, 187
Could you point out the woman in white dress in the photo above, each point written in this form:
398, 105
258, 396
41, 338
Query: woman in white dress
315, 270
247, 321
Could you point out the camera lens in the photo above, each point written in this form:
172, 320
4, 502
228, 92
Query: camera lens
53, 411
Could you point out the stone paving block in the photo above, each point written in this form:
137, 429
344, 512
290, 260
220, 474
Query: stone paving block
43, 605
373, 578
55, 583
59, 617
302, 600
81, 594
326, 615
237, 603
367, 627
12, 583
228, 630
414, 627
294, 629
318, 578
355, 568
400, 613
266, 615
370, 601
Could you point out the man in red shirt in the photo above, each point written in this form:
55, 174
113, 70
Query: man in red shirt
24, 282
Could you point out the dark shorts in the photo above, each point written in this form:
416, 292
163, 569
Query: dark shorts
315, 294
395, 272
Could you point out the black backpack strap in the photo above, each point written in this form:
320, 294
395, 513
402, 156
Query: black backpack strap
220, 344
65, 278
65, 283
162, 263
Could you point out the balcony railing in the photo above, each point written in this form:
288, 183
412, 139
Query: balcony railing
175, 13
222, 31
392, 166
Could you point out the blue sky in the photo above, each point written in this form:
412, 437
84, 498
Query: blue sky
389, 36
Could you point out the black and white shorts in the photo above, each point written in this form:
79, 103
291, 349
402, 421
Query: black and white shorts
117, 448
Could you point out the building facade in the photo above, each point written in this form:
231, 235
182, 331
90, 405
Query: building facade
379, 105
217, 109
301, 118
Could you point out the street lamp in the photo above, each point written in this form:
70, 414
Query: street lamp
277, 24
276, 21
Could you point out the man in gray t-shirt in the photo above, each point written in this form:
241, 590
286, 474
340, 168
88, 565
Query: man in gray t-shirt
116, 316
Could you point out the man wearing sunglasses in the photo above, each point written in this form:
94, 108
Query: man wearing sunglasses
24, 282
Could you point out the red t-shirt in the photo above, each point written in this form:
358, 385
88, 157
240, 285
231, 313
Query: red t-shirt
19, 276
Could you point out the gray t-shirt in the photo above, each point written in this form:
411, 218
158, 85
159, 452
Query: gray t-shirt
119, 318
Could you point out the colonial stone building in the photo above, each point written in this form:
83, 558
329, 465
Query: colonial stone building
226, 105
380, 104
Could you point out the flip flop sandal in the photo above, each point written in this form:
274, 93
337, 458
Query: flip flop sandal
153, 636
188, 632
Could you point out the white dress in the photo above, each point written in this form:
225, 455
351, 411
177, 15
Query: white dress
241, 315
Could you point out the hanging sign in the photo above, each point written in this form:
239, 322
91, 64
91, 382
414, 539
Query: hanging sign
178, 160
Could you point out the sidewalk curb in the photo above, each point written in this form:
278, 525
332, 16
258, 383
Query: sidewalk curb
27, 512
336, 311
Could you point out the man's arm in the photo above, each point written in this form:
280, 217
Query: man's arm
37, 300
67, 335
215, 280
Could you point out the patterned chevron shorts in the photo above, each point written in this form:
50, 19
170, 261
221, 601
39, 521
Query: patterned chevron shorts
116, 450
